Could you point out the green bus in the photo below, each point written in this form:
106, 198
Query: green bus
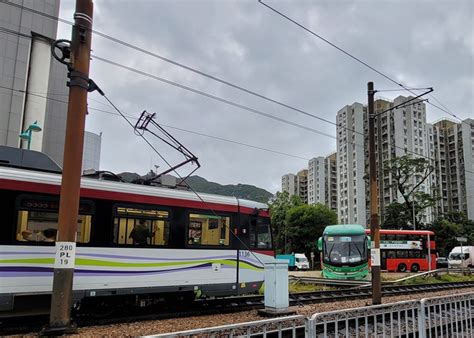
344, 252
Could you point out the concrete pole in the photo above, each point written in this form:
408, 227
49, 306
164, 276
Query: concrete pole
374, 226
61, 302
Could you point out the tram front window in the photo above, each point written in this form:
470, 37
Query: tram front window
345, 250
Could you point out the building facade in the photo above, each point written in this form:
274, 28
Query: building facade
331, 181
322, 181
351, 202
317, 180
398, 132
302, 185
32, 84
454, 154
289, 184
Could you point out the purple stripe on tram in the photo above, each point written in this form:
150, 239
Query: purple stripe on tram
27, 271
134, 257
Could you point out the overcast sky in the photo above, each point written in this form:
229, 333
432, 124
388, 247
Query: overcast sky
419, 43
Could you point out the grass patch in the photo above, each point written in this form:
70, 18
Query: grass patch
444, 278
302, 287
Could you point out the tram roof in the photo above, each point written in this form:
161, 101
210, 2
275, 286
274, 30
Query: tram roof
36, 181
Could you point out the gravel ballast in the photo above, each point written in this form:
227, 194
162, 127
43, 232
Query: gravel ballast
179, 324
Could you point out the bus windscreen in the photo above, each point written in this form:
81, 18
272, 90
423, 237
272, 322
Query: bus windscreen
345, 250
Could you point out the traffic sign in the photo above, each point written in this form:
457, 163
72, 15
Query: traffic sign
461, 239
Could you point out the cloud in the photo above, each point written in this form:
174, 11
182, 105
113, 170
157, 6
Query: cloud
427, 44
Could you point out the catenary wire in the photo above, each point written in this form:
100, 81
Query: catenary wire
189, 68
37, 94
356, 58
215, 78
253, 110
207, 206
131, 117
247, 108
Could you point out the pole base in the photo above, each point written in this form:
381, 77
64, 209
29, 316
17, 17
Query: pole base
49, 330
270, 312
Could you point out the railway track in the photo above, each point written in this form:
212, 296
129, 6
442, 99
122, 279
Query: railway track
327, 281
18, 325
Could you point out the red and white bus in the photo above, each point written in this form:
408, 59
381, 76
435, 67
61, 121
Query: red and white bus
407, 250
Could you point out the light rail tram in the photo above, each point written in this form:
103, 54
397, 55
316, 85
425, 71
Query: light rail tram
188, 251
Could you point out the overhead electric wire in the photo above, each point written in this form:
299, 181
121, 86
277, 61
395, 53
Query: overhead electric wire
145, 51
248, 108
211, 96
355, 58
206, 205
37, 94
227, 101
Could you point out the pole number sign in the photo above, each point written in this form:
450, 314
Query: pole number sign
375, 257
65, 255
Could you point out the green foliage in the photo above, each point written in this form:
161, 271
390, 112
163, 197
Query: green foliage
397, 216
404, 170
279, 208
450, 226
305, 224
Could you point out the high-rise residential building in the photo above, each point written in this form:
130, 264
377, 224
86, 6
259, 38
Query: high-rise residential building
322, 181
302, 185
289, 184
331, 181
33, 83
92, 143
398, 132
317, 180
454, 154
351, 202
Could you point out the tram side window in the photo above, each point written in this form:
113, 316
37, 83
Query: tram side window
208, 230
40, 222
260, 237
140, 226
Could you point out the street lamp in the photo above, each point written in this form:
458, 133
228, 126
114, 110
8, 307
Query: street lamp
26, 135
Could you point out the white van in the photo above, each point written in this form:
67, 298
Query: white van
301, 261
461, 259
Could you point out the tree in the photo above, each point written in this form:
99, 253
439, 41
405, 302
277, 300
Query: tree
408, 174
450, 226
305, 224
397, 216
278, 210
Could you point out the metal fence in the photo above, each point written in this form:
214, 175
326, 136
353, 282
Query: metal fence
291, 326
386, 320
447, 316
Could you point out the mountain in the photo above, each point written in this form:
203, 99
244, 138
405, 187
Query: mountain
249, 192
200, 184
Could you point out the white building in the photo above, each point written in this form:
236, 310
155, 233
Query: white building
331, 181
454, 147
289, 184
402, 131
351, 204
322, 181
317, 180
34, 83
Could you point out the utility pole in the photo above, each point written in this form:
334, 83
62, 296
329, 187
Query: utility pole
61, 301
374, 217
